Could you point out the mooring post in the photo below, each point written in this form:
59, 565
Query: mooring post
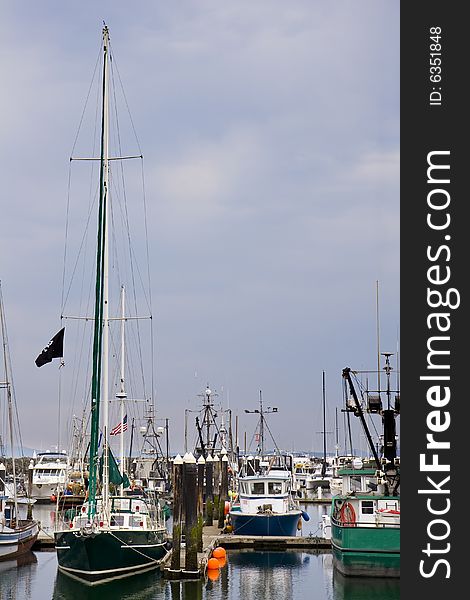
223, 496
200, 500
209, 490
177, 512
190, 512
216, 486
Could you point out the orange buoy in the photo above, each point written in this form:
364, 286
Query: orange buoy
218, 552
212, 564
226, 507
222, 562
213, 574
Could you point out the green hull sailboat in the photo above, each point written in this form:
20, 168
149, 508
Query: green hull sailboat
111, 536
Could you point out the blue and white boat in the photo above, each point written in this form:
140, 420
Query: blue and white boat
265, 504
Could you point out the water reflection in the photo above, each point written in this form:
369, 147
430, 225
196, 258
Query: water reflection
364, 588
17, 577
145, 586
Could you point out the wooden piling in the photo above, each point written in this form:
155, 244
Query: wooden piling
223, 496
209, 491
201, 464
190, 513
216, 486
177, 512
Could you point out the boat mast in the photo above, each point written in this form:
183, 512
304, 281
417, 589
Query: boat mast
100, 341
7, 386
261, 424
105, 274
323, 469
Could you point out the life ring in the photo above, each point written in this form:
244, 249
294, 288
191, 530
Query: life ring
347, 515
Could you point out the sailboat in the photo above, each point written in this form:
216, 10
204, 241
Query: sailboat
17, 535
112, 536
321, 475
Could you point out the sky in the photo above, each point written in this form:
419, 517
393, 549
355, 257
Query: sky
270, 135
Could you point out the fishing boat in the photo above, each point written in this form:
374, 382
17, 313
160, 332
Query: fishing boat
365, 516
265, 502
113, 535
17, 535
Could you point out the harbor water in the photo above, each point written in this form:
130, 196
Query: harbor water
246, 574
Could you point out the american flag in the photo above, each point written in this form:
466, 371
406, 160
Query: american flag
120, 427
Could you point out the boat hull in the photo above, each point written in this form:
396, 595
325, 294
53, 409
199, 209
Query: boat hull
275, 524
108, 554
17, 542
366, 551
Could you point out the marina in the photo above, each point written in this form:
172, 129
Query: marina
173, 439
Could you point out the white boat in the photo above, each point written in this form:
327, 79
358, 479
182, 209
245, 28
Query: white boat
49, 474
16, 535
265, 502
340, 462
320, 477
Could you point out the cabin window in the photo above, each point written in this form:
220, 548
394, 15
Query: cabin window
135, 521
257, 487
117, 520
274, 487
367, 507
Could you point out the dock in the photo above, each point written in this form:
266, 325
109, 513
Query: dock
213, 538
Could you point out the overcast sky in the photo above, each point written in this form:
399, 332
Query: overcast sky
270, 132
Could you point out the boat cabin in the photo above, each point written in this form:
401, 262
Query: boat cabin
264, 493
362, 481
125, 512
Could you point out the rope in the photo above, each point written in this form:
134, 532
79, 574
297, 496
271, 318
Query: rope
132, 548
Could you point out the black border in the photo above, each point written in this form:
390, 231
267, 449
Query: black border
423, 129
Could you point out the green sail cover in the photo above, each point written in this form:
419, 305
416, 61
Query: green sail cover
114, 474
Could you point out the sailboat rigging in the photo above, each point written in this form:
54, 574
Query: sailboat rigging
112, 536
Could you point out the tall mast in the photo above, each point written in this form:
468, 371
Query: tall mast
105, 159
100, 341
7, 385
261, 424
324, 423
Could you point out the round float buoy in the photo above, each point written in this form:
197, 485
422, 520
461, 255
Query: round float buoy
222, 562
213, 564
213, 574
218, 552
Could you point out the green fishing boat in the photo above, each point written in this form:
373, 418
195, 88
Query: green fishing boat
365, 516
